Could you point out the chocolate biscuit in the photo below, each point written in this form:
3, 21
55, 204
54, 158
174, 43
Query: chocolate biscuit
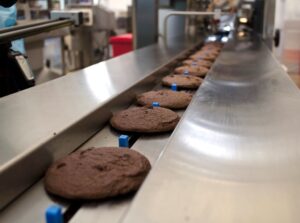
202, 63
97, 173
166, 98
203, 56
192, 70
182, 81
143, 119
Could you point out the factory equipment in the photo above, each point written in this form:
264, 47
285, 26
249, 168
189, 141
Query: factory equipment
86, 45
16, 73
233, 156
89, 43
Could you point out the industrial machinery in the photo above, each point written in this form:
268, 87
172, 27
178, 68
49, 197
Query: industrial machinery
16, 73
233, 157
89, 43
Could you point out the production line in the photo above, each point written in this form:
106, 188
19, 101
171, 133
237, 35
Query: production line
108, 137
210, 131
227, 151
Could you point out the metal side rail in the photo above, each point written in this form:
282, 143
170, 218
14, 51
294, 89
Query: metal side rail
235, 155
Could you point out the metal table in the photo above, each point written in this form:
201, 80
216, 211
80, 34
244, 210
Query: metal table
235, 155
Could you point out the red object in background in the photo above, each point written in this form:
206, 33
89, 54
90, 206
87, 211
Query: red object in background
121, 44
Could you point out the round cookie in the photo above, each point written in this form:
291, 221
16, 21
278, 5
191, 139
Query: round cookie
145, 120
207, 51
212, 47
214, 44
182, 81
192, 70
203, 56
202, 63
97, 173
166, 98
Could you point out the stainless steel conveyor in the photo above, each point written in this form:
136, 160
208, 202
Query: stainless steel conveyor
235, 155
44, 123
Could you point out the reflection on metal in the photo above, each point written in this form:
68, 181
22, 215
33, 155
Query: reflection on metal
186, 13
234, 157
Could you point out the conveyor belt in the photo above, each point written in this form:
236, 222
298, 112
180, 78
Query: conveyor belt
107, 211
112, 210
31, 205
235, 155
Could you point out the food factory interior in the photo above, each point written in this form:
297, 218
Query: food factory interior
149, 111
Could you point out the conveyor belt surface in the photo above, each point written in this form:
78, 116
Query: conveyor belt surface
99, 93
234, 156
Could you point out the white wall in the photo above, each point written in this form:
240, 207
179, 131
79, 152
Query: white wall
118, 6
292, 10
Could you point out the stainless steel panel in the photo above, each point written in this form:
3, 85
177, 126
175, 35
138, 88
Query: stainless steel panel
31, 206
235, 155
43, 123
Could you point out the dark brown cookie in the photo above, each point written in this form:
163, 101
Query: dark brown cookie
143, 119
204, 56
97, 173
166, 98
202, 63
192, 70
211, 49
208, 52
214, 44
182, 81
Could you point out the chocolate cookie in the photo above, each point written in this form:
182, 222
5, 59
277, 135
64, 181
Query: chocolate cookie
97, 173
207, 51
192, 70
166, 98
143, 119
182, 81
203, 56
214, 44
212, 47
202, 63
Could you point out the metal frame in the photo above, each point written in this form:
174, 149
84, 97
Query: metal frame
17, 32
186, 13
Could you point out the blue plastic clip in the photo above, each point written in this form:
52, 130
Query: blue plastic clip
124, 141
186, 72
155, 104
53, 214
174, 87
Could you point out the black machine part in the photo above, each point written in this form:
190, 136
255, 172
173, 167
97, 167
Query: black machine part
15, 72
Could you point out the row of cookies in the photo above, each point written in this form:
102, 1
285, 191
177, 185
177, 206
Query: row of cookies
99, 173
191, 71
153, 119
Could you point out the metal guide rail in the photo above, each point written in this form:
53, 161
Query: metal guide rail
234, 157
99, 93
